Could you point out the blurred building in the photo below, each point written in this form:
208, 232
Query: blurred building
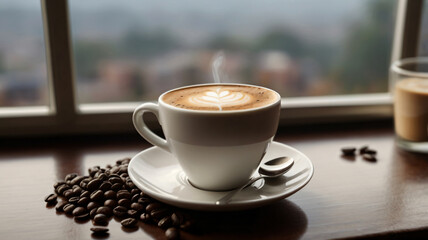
22, 89
277, 70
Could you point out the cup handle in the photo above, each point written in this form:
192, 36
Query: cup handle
143, 130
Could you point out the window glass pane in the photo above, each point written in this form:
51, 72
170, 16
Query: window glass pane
133, 50
423, 36
23, 77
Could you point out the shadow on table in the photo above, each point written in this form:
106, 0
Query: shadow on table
283, 220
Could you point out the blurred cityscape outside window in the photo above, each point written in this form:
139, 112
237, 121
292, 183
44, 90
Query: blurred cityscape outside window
23, 74
134, 50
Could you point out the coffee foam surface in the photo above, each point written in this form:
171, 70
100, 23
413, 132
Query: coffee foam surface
415, 85
220, 97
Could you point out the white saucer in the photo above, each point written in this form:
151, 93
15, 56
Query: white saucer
158, 174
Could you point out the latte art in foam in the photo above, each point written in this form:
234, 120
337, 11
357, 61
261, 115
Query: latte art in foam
220, 97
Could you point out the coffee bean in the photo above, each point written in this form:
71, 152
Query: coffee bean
110, 194
99, 172
165, 222
145, 217
145, 201
93, 185
76, 190
172, 234
105, 210
110, 203
115, 169
68, 208
135, 198
93, 212
112, 188
123, 194
123, 169
137, 207
70, 176
68, 193
82, 217
144, 195
99, 231
370, 151
57, 184
116, 186
92, 205
51, 198
132, 213
83, 201
79, 211
61, 189
124, 160
130, 184
153, 206
159, 213
73, 200
92, 171
124, 202
77, 180
59, 207
363, 149
135, 191
87, 179
348, 151
102, 177
129, 222
113, 175
105, 186
176, 219
85, 194
369, 157
97, 196
120, 211
83, 185
100, 219
114, 180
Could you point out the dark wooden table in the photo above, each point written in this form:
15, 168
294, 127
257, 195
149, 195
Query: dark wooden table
346, 198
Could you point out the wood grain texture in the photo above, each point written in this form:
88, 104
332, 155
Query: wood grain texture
346, 198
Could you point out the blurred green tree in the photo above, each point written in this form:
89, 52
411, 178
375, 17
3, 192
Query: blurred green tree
142, 44
88, 55
367, 52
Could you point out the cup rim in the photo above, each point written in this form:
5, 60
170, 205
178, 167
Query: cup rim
160, 101
396, 67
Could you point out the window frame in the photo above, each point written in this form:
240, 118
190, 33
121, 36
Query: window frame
66, 116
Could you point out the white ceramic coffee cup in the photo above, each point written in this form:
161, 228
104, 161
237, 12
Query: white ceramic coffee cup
218, 150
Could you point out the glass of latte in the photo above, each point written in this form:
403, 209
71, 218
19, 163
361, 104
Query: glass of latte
218, 133
409, 86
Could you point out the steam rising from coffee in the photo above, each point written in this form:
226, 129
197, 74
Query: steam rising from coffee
219, 97
216, 64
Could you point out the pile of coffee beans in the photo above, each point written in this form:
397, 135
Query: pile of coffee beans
366, 152
108, 193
